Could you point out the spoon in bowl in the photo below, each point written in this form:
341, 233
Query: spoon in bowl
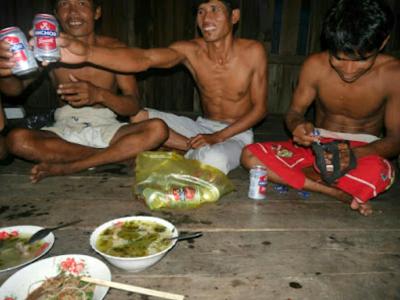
42, 233
186, 236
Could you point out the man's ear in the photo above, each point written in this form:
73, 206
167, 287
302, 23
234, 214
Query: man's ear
235, 16
97, 13
384, 43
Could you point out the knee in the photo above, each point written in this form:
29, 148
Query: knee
141, 116
158, 130
213, 157
17, 140
247, 158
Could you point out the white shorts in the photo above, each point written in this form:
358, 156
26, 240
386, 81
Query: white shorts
224, 156
87, 126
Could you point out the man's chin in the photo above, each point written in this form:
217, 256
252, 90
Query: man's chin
349, 79
77, 32
210, 39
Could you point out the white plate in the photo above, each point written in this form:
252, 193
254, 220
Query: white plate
27, 230
18, 286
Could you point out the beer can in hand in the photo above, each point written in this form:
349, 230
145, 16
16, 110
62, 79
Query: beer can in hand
23, 55
45, 32
258, 183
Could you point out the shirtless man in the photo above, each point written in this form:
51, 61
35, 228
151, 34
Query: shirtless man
231, 75
86, 133
352, 86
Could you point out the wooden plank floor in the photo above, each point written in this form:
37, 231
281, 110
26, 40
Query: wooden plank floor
286, 247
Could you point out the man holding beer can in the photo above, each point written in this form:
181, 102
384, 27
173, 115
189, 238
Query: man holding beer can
86, 132
231, 104
13, 43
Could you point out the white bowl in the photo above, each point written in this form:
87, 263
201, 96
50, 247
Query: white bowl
133, 264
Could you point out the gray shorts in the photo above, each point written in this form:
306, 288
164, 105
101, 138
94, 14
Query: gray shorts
224, 156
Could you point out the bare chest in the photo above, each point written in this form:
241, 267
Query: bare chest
355, 100
230, 81
94, 76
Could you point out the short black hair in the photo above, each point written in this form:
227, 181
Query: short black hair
229, 4
96, 3
357, 27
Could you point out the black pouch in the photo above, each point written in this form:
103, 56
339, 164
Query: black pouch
331, 175
40, 120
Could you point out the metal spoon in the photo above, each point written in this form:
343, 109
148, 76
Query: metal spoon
42, 233
187, 236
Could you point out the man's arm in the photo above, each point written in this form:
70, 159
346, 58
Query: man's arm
80, 92
389, 146
120, 59
303, 97
128, 103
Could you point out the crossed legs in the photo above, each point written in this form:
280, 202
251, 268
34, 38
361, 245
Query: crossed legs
174, 141
249, 160
59, 157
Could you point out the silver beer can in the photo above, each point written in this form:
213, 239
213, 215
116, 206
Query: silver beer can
23, 55
45, 32
258, 183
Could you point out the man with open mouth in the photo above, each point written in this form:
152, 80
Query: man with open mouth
231, 77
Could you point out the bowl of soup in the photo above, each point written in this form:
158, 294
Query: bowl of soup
134, 243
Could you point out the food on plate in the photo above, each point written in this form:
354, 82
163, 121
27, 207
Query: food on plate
63, 287
14, 249
134, 239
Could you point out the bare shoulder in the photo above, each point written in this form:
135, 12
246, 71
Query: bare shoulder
186, 47
252, 48
250, 44
317, 60
388, 66
388, 74
110, 42
316, 65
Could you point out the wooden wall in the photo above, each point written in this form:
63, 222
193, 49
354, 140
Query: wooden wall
289, 29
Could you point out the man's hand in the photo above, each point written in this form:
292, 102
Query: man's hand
201, 140
72, 50
78, 92
6, 62
303, 134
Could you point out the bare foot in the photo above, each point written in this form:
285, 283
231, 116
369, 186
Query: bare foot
43, 170
364, 208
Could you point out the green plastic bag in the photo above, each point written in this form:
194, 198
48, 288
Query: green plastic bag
168, 180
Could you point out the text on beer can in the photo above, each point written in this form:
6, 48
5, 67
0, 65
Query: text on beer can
45, 33
258, 183
24, 60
